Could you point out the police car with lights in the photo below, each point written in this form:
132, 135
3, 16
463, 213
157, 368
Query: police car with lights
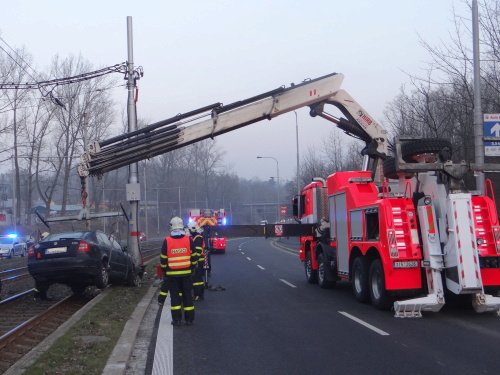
12, 245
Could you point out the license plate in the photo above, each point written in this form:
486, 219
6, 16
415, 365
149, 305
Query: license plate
56, 250
405, 264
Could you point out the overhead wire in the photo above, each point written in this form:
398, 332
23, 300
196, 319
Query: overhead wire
43, 86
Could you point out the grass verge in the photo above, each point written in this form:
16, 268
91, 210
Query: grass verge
86, 347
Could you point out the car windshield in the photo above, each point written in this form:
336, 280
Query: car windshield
58, 236
7, 240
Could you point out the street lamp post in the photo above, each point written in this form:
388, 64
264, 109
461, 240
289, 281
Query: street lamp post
278, 182
298, 175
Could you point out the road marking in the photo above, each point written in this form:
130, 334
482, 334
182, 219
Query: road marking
163, 362
362, 322
262, 268
249, 258
287, 283
242, 253
283, 250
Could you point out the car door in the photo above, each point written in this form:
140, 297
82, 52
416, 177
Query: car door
120, 258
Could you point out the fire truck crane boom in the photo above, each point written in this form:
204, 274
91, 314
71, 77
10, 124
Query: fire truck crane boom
177, 132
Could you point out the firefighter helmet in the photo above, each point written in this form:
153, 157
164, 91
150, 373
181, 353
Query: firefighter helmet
194, 227
176, 223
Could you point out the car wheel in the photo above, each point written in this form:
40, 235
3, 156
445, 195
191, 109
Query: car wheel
360, 279
378, 294
41, 289
103, 277
78, 289
311, 275
133, 278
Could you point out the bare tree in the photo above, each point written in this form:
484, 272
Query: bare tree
17, 101
87, 113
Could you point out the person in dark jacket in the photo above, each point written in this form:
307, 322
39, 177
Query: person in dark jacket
199, 247
177, 260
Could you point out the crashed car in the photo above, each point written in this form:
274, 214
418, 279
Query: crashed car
80, 259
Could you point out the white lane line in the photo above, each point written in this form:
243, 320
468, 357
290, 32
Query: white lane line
242, 253
363, 323
163, 363
249, 258
262, 268
287, 283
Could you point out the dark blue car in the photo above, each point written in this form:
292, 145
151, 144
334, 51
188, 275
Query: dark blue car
80, 259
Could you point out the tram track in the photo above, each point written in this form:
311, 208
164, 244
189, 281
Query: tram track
22, 329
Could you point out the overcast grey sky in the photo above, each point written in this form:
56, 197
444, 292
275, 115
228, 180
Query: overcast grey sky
196, 53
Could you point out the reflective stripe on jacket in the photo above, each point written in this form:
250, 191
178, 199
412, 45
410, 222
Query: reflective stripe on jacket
199, 247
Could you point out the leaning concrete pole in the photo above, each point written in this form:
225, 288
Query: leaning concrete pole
133, 189
478, 116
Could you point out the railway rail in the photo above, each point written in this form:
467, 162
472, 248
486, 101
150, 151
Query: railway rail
151, 250
29, 328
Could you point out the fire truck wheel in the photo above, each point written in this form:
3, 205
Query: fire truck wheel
323, 281
412, 149
360, 279
311, 275
378, 294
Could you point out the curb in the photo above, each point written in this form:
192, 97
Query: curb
32, 356
117, 361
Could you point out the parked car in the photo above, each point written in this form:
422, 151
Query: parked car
11, 245
80, 259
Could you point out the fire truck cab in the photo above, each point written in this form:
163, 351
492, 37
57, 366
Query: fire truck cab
207, 219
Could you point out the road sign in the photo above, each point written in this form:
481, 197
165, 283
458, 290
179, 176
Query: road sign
491, 128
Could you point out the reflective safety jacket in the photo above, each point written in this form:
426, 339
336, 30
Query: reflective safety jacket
177, 256
199, 248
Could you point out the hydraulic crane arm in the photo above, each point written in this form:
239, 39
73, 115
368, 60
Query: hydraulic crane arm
217, 119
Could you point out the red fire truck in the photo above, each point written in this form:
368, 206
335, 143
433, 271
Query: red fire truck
399, 240
208, 219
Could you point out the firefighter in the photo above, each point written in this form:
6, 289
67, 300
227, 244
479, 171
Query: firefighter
208, 249
177, 260
199, 247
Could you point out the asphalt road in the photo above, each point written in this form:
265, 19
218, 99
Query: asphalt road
268, 320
